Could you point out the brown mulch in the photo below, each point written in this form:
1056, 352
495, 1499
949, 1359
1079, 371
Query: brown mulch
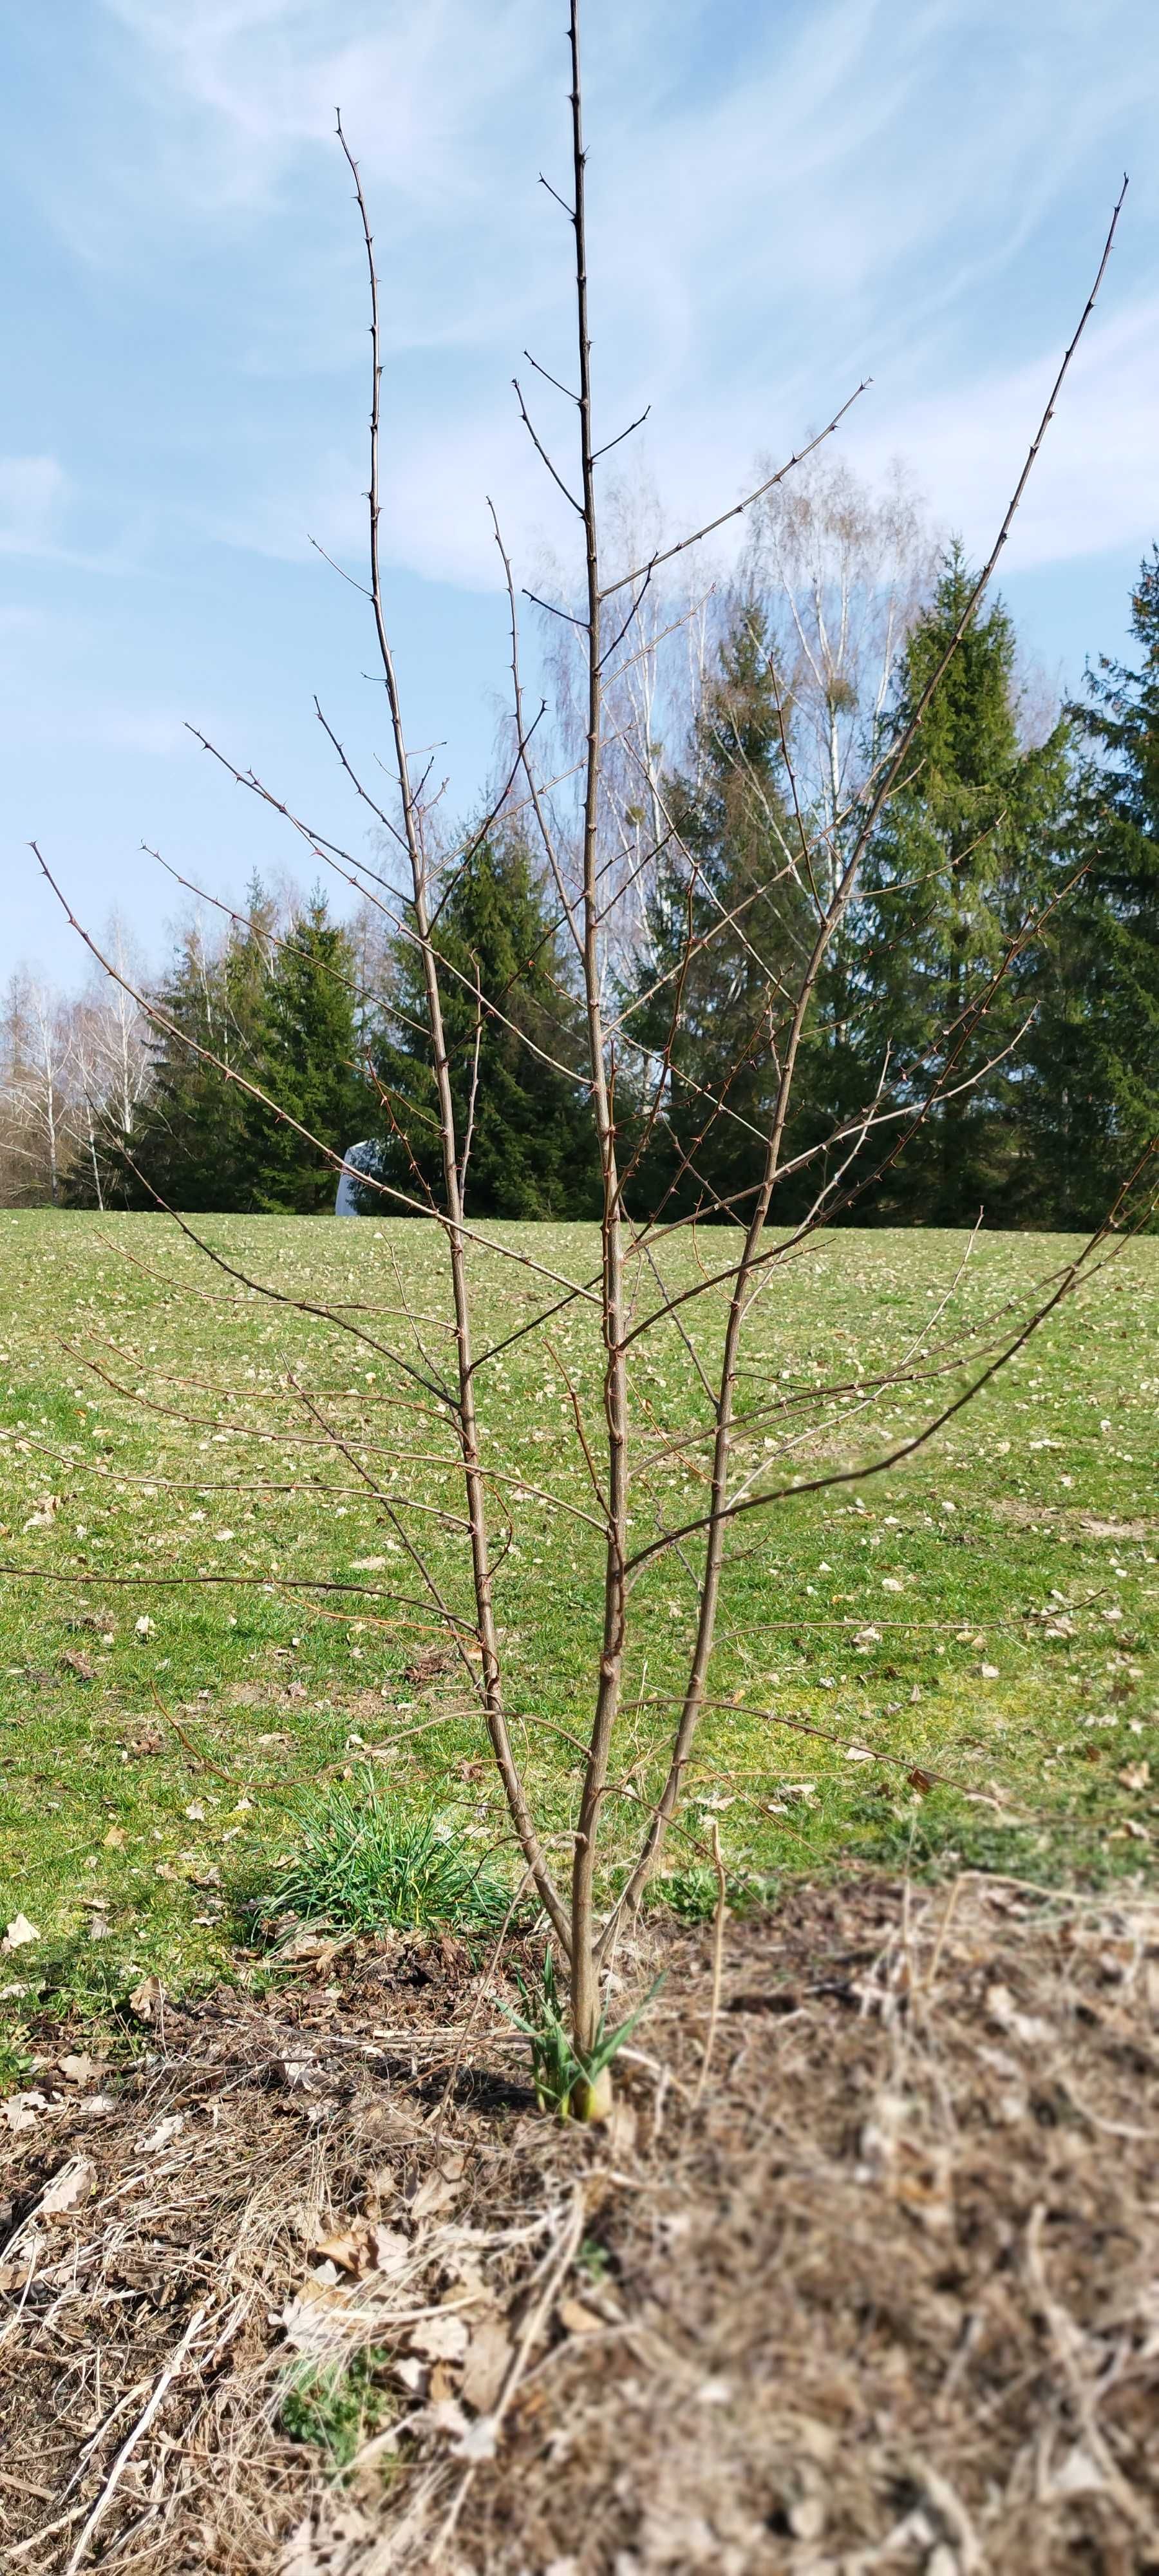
886, 2297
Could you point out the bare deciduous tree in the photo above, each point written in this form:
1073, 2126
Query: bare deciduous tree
654, 686
841, 573
658, 1493
39, 1086
73, 1074
118, 1047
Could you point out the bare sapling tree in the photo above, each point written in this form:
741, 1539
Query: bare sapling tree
627, 1484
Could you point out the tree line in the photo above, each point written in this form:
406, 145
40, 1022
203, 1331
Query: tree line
995, 985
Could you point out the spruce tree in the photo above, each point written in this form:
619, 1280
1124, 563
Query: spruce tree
532, 1149
965, 855
730, 924
1094, 1105
189, 1146
307, 1046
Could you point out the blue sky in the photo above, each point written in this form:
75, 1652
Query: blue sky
786, 195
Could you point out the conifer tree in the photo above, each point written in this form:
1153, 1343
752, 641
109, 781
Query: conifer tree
307, 1047
966, 855
523, 1106
1093, 1106
728, 890
189, 1145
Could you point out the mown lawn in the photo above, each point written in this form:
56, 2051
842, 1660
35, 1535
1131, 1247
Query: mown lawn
979, 1614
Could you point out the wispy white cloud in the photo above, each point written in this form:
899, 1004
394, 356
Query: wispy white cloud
420, 84
1093, 489
751, 147
1094, 485
781, 201
782, 198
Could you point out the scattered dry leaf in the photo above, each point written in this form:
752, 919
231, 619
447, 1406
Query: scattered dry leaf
445, 2415
1028, 2027
366, 2248
308, 1945
485, 2365
325, 2543
578, 2319
75, 2183
437, 2193
148, 1999
320, 2316
78, 2070
480, 2441
163, 2135
22, 2110
439, 2338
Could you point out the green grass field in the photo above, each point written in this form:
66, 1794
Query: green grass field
979, 1613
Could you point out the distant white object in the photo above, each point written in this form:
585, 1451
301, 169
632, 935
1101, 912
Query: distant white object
362, 1157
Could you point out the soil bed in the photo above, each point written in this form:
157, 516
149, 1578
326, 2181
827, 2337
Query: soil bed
308, 2284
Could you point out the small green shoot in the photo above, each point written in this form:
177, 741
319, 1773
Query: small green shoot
15, 2061
593, 2260
568, 2080
336, 2405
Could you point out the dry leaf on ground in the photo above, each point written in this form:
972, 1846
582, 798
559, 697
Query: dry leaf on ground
485, 2365
75, 2183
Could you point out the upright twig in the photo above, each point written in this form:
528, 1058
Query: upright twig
584, 1969
467, 1420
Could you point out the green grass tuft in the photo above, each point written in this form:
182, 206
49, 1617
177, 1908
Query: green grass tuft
367, 1863
689, 1892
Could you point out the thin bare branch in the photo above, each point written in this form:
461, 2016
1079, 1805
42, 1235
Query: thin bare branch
667, 553
541, 450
